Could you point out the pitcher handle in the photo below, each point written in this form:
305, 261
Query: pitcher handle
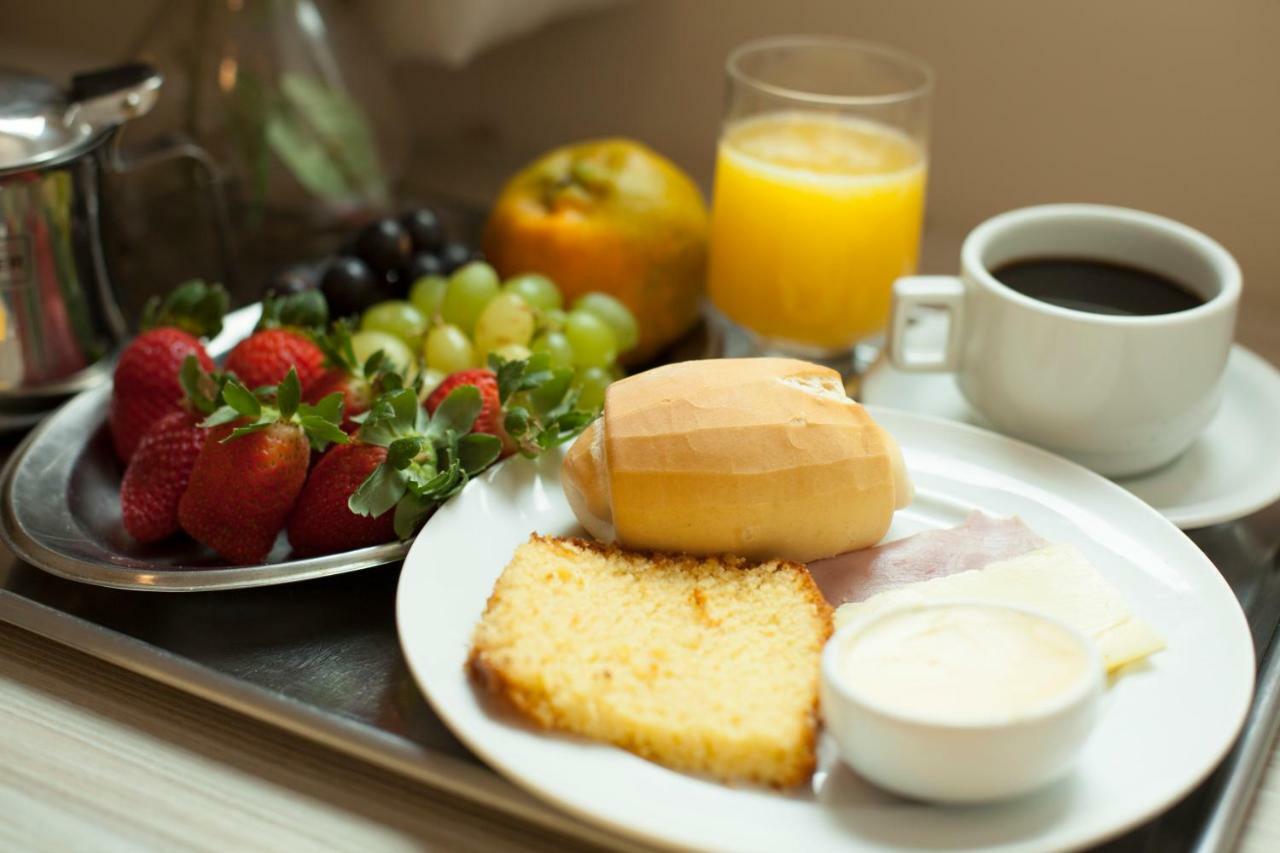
171, 147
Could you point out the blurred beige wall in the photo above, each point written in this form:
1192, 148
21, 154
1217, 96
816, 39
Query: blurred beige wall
1168, 105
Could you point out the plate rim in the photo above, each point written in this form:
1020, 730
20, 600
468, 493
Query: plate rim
1157, 806
1187, 516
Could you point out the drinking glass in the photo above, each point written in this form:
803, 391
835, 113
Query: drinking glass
819, 193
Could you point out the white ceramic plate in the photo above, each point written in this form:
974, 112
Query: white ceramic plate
1164, 726
1232, 469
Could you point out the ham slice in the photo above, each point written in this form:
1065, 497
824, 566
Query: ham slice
981, 540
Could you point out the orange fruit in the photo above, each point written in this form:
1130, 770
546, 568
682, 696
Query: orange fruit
610, 215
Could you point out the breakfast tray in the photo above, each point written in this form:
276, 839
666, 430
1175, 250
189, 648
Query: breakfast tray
321, 658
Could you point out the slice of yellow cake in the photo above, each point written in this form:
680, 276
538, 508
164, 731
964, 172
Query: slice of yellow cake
706, 665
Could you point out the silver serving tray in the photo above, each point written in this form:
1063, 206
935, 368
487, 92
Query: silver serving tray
60, 510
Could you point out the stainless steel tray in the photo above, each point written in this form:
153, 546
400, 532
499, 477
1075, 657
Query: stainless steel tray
60, 509
322, 659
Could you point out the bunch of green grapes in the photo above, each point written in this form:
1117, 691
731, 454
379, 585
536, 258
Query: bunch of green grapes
454, 323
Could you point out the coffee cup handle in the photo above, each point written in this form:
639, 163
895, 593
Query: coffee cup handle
945, 292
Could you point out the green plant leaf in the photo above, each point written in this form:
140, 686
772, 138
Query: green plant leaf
550, 395
321, 433
241, 399
329, 408
289, 394
248, 429
403, 450
457, 412
411, 512
478, 451
380, 491
223, 415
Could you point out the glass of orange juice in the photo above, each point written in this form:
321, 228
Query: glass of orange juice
819, 192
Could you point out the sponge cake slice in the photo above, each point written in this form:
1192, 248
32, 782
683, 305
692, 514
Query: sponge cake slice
705, 665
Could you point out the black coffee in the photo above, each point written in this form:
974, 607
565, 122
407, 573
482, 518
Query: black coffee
1099, 287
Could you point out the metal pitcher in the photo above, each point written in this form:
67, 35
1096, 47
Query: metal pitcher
60, 322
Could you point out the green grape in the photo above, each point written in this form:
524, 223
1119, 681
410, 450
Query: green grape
591, 382
427, 294
507, 319
552, 319
591, 338
613, 312
431, 379
512, 352
469, 291
366, 342
556, 346
396, 317
448, 349
538, 290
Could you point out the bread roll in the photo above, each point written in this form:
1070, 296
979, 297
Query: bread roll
761, 457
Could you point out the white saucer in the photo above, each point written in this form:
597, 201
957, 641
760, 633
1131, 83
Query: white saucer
1232, 470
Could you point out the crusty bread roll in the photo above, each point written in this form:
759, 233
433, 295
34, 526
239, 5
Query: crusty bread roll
760, 457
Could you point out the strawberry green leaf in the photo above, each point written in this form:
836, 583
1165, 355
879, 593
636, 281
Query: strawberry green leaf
247, 429
223, 415
307, 310
289, 394
456, 413
516, 422
509, 373
192, 306
411, 512
329, 408
478, 451
380, 491
374, 363
321, 432
403, 450
203, 390
241, 399
551, 394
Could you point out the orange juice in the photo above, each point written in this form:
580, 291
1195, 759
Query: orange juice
814, 217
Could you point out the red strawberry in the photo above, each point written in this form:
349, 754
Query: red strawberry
321, 521
157, 476
283, 339
359, 384
250, 471
146, 384
490, 418
357, 393
263, 358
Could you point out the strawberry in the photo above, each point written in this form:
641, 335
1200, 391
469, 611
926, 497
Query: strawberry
490, 419
157, 476
282, 339
146, 386
252, 467
321, 521
359, 384
158, 472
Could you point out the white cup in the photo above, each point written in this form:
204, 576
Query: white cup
1119, 394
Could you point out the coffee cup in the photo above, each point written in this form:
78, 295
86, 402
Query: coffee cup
1119, 392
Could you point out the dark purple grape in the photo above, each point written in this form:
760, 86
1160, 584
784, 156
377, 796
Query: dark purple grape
396, 284
292, 280
422, 264
425, 229
383, 245
454, 255
350, 286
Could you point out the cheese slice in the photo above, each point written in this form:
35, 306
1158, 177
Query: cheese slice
1056, 580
